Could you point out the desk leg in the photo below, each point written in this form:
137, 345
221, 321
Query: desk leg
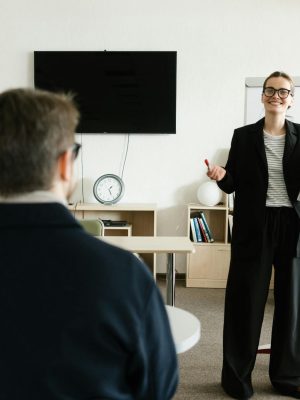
171, 280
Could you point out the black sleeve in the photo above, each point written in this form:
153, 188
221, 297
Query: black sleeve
227, 184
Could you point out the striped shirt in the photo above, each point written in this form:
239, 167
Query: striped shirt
276, 195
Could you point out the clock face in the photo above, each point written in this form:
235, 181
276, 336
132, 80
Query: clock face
108, 189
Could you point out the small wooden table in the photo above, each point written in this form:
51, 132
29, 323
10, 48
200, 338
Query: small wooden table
185, 327
156, 244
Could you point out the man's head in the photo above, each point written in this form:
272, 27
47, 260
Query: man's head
36, 141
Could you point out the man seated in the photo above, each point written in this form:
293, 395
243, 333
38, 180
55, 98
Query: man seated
80, 319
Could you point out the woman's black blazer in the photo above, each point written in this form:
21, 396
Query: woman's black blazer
247, 176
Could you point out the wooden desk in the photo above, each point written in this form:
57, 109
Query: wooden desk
156, 244
185, 327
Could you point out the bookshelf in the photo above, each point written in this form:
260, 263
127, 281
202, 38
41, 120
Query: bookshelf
140, 217
208, 266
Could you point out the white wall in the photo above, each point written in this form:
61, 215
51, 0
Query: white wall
219, 43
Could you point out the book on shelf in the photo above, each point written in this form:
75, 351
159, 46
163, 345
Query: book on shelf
203, 230
195, 230
200, 230
209, 234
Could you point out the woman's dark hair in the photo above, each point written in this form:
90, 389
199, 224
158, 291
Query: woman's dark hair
35, 128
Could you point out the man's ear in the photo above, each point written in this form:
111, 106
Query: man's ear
65, 166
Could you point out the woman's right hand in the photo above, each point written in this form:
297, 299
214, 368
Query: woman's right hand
216, 173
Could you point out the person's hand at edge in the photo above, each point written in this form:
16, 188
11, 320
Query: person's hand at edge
215, 172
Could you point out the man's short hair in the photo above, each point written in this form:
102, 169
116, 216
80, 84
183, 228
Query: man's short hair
36, 127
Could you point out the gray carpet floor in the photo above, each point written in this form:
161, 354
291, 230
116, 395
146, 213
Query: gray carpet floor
200, 367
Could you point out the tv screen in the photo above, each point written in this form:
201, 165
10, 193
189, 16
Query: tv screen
116, 91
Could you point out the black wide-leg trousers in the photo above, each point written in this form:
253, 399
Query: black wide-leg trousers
246, 296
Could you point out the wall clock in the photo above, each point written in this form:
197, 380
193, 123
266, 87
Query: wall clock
108, 189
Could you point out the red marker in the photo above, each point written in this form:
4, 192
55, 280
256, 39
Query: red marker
207, 163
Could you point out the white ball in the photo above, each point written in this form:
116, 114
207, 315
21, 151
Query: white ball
209, 194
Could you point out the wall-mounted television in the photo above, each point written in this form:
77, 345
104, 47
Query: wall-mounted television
116, 91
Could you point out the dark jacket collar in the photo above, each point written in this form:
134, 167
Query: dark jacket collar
290, 142
291, 138
257, 131
23, 215
290, 127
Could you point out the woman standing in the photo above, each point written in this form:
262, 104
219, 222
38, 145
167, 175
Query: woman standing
263, 169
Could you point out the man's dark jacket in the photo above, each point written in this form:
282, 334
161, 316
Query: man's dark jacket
79, 319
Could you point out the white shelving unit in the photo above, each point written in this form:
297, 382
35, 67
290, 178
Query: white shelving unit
208, 266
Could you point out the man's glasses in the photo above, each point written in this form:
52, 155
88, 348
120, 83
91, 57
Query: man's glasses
75, 149
282, 93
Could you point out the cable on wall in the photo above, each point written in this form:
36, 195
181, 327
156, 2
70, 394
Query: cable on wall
122, 167
126, 153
